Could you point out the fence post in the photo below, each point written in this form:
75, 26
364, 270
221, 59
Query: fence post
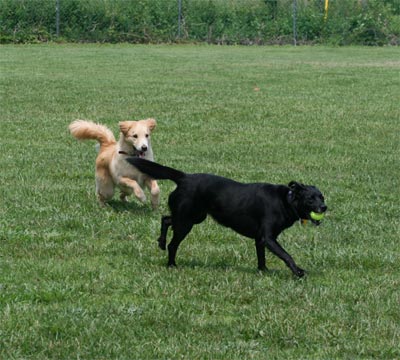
294, 22
57, 18
326, 7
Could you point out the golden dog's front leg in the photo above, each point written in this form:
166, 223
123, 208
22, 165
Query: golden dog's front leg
154, 191
137, 190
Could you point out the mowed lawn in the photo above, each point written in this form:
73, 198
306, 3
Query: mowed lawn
78, 281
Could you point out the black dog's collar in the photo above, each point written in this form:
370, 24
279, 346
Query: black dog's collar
290, 198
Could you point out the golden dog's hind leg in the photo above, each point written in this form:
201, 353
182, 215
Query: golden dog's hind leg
104, 186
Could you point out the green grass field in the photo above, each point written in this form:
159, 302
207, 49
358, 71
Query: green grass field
78, 281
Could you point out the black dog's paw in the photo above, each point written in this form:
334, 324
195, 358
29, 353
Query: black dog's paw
162, 243
299, 272
262, 269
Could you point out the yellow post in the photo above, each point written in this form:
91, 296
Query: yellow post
326, 9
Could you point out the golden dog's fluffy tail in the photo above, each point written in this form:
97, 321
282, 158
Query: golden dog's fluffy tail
83, 129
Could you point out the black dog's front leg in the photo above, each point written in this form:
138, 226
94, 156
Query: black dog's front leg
260, 248
166, 222
276, 249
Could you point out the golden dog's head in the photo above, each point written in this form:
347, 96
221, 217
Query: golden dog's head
137, 134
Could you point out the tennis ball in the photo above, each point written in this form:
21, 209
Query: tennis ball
316, 216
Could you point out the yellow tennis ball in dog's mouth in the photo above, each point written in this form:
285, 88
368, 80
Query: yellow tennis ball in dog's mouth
316, 216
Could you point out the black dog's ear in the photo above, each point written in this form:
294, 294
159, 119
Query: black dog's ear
292, 185
295, 186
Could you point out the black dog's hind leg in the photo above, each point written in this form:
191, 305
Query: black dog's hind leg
275, 248
180, 232
166, 222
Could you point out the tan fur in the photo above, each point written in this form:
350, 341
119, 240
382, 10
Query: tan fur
111, 168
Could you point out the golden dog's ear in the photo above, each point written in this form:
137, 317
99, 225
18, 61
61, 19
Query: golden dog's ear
151, 123
124, 126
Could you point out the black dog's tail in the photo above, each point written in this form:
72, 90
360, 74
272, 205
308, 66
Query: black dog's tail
156, 171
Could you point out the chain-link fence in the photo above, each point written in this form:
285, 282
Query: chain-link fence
371, 22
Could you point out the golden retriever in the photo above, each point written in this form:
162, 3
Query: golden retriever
111, 167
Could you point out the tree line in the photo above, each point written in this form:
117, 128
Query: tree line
342, 22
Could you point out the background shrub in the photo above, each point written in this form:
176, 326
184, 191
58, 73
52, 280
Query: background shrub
364, 22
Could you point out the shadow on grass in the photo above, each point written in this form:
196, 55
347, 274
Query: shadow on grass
224, 267
129, 206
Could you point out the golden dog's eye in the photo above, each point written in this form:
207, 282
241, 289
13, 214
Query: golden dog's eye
147, 135
135, 136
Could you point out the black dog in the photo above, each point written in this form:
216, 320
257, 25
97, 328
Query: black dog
259, 211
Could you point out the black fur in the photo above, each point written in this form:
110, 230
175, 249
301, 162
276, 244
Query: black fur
259, 211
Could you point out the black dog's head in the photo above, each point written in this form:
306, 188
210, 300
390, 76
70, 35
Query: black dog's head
306, 199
